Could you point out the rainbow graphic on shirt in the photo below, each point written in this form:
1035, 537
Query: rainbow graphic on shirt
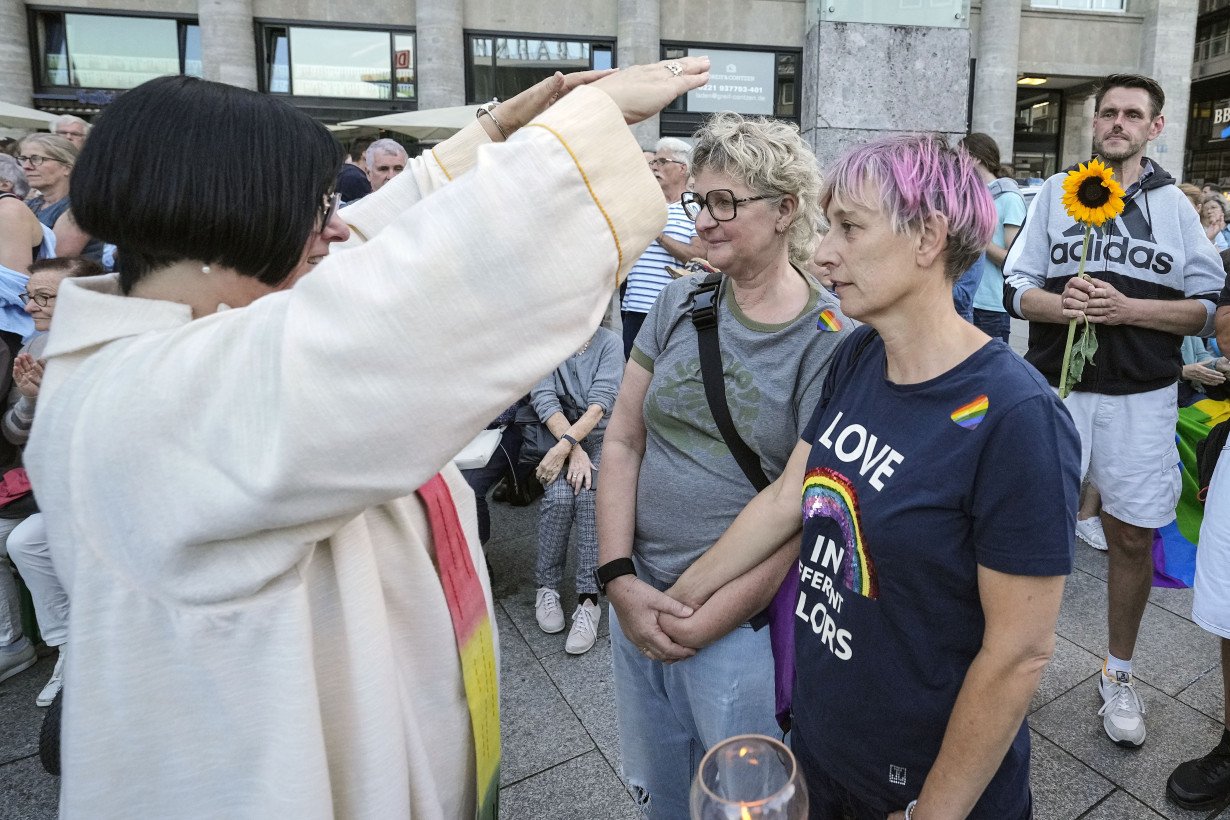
828, 494
467, 606
828, 320
971, 415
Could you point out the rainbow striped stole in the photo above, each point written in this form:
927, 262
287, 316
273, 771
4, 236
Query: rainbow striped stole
475, 641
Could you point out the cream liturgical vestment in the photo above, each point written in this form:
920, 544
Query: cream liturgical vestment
257, 628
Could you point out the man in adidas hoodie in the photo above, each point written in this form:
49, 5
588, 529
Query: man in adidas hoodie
1155, 279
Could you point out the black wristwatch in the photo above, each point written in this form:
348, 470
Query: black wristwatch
611, 570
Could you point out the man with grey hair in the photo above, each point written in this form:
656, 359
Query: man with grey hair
671, 166
74, 129
385, 160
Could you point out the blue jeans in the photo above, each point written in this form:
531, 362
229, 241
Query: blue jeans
669, 715
995, 323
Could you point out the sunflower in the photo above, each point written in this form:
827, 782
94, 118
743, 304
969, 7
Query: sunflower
1091, 194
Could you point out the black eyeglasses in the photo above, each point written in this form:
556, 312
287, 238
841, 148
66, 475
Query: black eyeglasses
35, 160
658, 163
40, 299
722, 203
328, 208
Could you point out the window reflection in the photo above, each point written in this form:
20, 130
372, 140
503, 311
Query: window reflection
340, 63
112, 51
329, 62
505, 66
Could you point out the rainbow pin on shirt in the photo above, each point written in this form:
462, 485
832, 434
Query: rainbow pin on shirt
971, 415
828, 320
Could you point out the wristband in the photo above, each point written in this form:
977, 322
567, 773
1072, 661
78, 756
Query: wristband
909, 810
569, 439
611, 570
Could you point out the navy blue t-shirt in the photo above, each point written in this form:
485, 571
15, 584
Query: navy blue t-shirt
909, 489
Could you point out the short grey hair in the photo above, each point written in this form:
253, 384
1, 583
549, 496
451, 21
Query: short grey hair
383, 146
69, 119
1221, 203
771, 158
679, 150
10, 172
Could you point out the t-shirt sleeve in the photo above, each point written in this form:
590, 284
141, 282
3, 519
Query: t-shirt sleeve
1026, 490
656, 328
839, 364
1014, 209
678, 226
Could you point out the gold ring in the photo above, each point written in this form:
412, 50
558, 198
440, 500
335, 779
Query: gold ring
674, 68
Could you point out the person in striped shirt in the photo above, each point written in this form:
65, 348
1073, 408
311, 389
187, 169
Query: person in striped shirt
671, 166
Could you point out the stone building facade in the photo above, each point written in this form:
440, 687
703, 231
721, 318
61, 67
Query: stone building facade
1021, 70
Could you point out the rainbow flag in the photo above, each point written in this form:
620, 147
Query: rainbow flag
475, 639
1174, 546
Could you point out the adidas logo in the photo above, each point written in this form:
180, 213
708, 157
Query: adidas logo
1136, 247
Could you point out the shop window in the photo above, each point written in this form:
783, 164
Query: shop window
107, 51
310, 61
505, 66
746, 81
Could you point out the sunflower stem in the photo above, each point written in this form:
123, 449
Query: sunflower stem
1064, 387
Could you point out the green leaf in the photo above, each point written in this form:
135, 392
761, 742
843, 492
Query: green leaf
1090, 340
1076, 367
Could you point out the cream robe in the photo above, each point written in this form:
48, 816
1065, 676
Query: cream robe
257, 628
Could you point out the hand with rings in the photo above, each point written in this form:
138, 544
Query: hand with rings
673, 67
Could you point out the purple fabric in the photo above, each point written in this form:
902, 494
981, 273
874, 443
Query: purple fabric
1160, 577
781, 636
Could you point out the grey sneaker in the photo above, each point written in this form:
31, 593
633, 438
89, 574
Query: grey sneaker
1090, 531
1123, 712
54, 685
546, 610
16, 657
584, 629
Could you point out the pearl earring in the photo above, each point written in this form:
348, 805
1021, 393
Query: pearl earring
205, 269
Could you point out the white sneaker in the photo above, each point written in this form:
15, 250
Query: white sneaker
1123, 712
546, 610
54, 685
1090, 531
584, 629
16, 657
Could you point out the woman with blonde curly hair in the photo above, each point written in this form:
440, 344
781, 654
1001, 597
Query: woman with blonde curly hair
670, 483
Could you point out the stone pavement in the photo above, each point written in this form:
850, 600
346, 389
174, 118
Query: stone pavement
561, 752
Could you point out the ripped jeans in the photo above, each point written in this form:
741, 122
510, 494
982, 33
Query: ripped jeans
669, 715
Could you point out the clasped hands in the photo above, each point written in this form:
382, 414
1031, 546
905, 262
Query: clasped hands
652, 620
1097, 302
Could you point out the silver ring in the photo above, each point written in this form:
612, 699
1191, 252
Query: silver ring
674, 68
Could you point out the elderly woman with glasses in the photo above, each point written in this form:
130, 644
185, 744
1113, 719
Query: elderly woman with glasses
230, 432
48, 161
935, 488
670, 483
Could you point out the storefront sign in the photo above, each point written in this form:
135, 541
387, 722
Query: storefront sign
1221, 120
739, 81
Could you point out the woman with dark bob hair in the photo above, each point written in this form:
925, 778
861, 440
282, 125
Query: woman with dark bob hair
937, 479
268, 620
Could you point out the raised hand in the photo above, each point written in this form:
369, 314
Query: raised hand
27, 375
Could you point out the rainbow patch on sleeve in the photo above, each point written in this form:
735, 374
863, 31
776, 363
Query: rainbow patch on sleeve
828, 320
829, 494
971, 415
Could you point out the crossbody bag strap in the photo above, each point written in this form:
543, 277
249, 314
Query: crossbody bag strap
704, 318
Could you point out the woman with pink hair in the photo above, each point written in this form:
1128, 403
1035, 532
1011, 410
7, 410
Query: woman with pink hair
938, 480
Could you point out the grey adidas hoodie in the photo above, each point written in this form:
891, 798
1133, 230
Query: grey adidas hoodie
1155, 249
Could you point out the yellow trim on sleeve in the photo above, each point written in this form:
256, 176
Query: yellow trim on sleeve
619, 251
436, 157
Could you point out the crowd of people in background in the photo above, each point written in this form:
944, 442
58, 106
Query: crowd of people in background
818, 488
